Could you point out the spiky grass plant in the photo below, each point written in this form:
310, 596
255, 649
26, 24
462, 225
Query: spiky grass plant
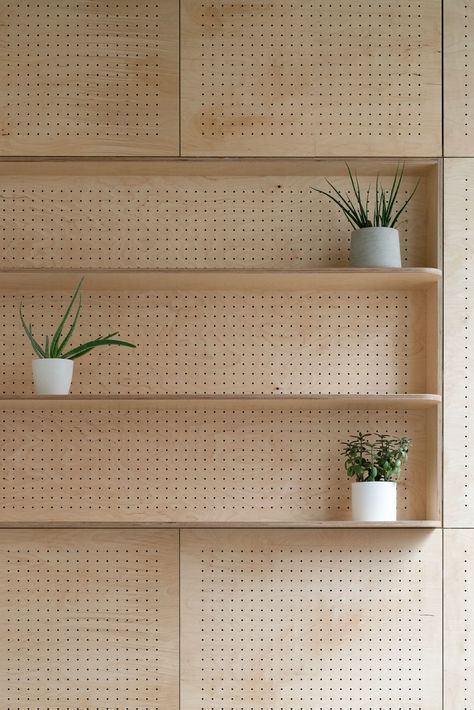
55, 347
356, 208
375, 457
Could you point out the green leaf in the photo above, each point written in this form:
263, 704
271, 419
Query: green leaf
83, 349
71, 330
59, 330
28, 330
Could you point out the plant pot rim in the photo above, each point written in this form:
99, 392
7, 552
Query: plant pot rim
363, 229
50, 359
354, 483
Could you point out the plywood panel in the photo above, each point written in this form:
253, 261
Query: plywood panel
231, 342
300, 78
458, 618
197, 465
459, 343
89, 620
310, 620
85, 78
458, 78
193, 214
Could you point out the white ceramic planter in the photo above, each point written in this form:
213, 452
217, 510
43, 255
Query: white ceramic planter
374, 500
376, 247
52, 375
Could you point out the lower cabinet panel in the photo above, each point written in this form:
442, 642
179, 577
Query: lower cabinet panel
280, 620
89, 619
459, 619
326, 620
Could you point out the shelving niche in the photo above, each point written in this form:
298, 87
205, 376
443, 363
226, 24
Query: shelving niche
258, 350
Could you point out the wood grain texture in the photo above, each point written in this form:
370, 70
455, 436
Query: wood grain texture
290, 618
195, 214
299, 78
458, 619
458, 343
209, 465
88, 78
458, 78
89, 619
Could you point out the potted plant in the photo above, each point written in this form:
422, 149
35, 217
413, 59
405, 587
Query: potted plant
375, 461
53, 368
375, 240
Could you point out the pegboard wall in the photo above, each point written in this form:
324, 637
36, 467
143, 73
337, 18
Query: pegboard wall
458, 343
458, 92
89, 620
232, 342
458, 611
300, 78
96, 78
58, 215
194, 465
301, 620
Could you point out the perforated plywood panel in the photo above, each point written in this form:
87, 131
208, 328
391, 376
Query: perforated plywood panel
188, 465
193, 215
232, 342
458, 78
302, 620
458, 619
458, 343
89, 620
301, 78
97, 78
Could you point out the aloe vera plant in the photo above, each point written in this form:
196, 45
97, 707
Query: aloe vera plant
357, 209
55, 347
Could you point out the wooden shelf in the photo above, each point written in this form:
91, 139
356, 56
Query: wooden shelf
201, 524
27, 280
223, 401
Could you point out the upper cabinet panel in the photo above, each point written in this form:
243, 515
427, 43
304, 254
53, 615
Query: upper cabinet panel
459, 78
89, 78
305, 78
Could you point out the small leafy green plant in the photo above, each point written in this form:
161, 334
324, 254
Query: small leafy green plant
55, 347
375, 457
356, 207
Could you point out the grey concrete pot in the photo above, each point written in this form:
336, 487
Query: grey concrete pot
376, 246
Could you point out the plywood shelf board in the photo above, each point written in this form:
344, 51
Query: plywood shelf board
223, 525
277, 402
345, 279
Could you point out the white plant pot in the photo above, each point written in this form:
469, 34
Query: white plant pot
374, 500
376, 247
52, 375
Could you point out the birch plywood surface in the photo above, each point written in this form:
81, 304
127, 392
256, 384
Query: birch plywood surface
459, 343
195, 465
86, 78
232, 342
458, 618
191, 215
89, 620
300, 78
297, 619
458, 78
